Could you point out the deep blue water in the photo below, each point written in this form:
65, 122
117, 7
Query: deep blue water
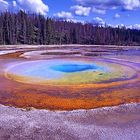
68, 68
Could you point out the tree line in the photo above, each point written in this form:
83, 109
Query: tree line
24, 28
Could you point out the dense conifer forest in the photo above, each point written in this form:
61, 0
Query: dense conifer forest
22, 28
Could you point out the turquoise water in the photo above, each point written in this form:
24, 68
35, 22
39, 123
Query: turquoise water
68, 68
52, 69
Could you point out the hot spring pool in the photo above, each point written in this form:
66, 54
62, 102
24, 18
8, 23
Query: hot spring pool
53, 69
68, 83
63, 71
